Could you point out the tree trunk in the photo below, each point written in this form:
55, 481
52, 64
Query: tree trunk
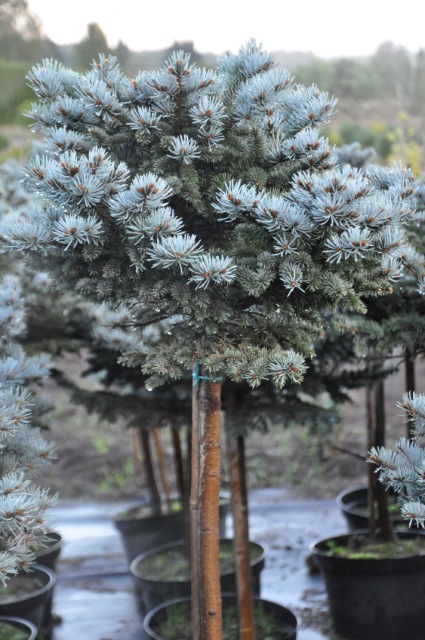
371, 492
181, 488
194, 509
178, 461
209, 484
236, 453
188, 470
162, 467
384, 519
187, 482
410, 385
145, 446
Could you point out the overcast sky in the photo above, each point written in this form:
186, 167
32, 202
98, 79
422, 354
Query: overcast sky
328, 28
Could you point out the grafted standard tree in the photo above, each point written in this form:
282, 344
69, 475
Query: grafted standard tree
206, 202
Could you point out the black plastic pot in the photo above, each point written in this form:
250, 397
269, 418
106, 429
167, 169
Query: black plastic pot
48, 557
370, 599
353, 503
151, 593
21, 625
32, 606
140, 534
286, 620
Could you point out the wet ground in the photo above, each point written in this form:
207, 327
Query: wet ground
94, 596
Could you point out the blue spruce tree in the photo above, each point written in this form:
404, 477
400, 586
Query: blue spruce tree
24, 507
402, 466
207, 203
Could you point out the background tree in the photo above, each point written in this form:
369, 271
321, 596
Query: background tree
394, 66
418, 90
21, 37
87, 50
17, 28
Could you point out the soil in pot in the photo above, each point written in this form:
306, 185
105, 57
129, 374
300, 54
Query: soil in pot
9, 631
171, 621
144, 511
16, 629
19, 587
163, 573
373, 594
359, 546
172, 564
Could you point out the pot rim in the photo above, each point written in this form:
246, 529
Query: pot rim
118, 516
57, 544
27, 625
314, 546
342, 494
51, 582
169, 545
150, 614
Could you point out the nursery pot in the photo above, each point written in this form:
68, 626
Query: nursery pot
47, 557
140, 530
164, 619
371, 598
152, 591
353, 503
27, 629
48, 554
34, 597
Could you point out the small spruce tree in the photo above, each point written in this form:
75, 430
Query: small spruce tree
402, 467
393, 337
206, 202
24, 507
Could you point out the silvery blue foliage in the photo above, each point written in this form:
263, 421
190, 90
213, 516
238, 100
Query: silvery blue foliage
178, 251
403, 467
354, 155
212, 269
209, 195
23, 452
24, 508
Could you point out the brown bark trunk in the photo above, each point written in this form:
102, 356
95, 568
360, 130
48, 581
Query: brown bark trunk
181, 486
236, 453
187, 479
188, 470
162, 466
194, 509
137, 452
178, 461
410, 386
145, 446
384, 519
371, 493
209, 476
